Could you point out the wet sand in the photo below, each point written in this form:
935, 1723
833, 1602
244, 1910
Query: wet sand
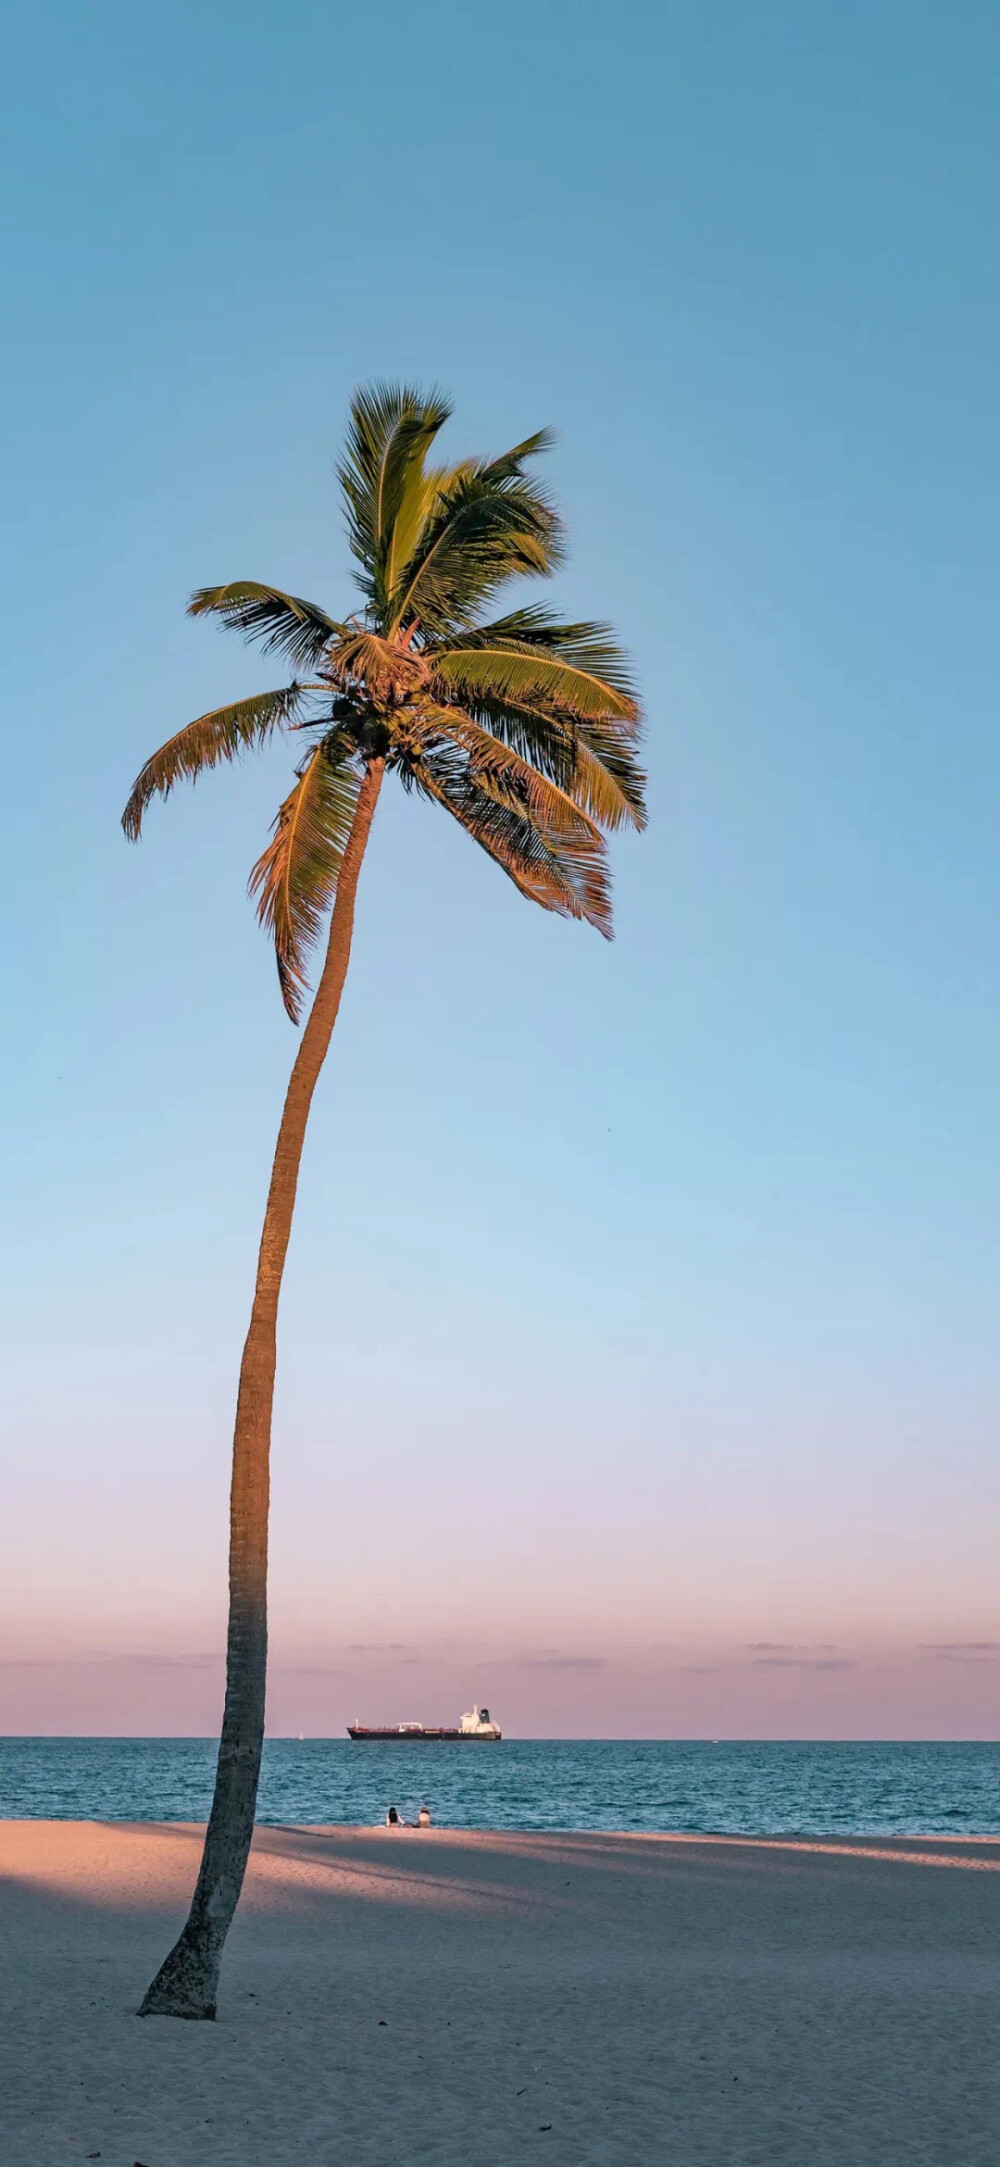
479, 2000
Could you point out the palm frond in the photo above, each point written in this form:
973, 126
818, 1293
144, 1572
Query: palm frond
589, 647
295, 878
515, 670
607, 762
419, 502
283, 621
566, 701
391, 429
511, 462
558, 863
221, 735
452, 740
608, 780
594, 762
480, 534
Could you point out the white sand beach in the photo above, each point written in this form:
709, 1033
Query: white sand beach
477, 2000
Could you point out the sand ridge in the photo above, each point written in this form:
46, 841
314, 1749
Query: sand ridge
448, 1997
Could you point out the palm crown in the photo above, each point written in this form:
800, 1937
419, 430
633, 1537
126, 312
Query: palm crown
524, 728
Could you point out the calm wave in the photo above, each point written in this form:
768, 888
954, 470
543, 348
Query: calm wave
685, 1785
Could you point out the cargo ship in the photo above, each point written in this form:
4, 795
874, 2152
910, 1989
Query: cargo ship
477, 1724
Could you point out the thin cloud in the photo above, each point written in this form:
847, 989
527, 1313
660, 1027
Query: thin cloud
108, 1662
962, 1651
803, 1662
43, 1662
167, 1662
560, 1662
306, 1670
791, 1647
960, 1647
379, 1647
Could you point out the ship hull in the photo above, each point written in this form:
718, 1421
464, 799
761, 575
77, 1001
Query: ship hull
363, 1736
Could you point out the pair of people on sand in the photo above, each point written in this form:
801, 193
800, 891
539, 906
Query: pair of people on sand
423, 1820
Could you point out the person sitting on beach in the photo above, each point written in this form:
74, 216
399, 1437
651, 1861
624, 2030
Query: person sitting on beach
392, 1819
424, 1817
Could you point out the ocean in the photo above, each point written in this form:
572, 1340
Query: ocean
694, 1786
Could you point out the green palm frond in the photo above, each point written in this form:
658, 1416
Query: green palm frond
564, 696
222, 735
589, 647
389, 435
511, 462
279, 621
453, 740
548, 873
557, 858
480, 534
546, 739
295, 878
594, 762
419, 502
608, 773
519, 671
609, 782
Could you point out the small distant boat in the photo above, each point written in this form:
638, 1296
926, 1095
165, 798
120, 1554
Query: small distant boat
477, 1724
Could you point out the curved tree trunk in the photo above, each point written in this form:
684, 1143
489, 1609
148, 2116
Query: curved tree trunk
185, 1985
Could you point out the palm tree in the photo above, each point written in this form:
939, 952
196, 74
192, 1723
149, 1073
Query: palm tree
525, 730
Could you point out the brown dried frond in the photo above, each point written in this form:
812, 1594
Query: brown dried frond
383, 668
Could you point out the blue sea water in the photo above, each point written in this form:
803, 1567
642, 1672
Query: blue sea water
692, 1786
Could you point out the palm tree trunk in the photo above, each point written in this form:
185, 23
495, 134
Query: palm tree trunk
185, 1985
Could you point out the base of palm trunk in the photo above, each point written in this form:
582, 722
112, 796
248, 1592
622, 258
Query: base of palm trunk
186, 1983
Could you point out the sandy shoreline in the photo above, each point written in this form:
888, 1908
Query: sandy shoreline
585, 1998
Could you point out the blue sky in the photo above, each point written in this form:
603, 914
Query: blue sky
654, 1286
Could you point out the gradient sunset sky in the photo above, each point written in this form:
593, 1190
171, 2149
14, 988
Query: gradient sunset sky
639, 1364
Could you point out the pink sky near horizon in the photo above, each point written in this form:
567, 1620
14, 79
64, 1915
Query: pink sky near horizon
697, 1592
758, 1690
731, 1570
